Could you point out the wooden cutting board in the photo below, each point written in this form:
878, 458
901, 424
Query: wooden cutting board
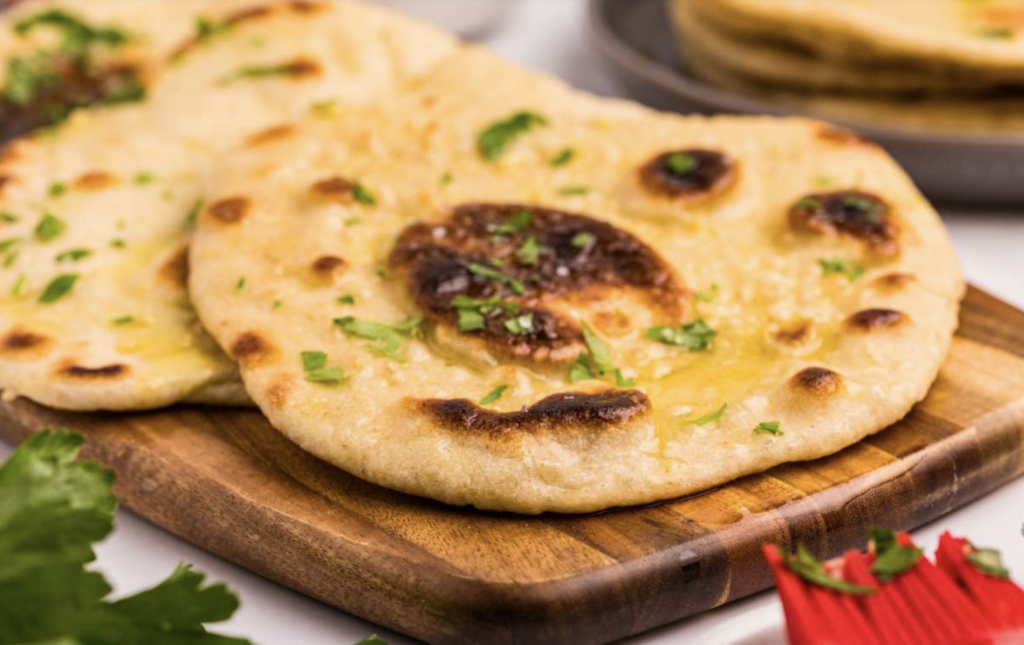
226, 481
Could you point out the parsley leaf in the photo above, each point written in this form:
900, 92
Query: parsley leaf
494, 395
470, 320
773, 428
891, 559
520, 325
55, 508
485, 271
347, 299
989, 561
123, 320
57, 189
363, 195
49, 227
143, 178
582, 240
707, 296
711, 417
258, 71
58, 287
389, 338
7, 217
327, 376
580, 370
848, 268
74, 255
599, 352
596, 362
313, 360
563, 158
515, 224
240, 284
570, 191
807, 567
695, 336
529, 252
681, 163
494, 141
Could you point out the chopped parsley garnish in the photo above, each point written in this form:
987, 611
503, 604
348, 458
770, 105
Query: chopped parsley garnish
681, 163
470, 320
56, 508
447, 179
599, 352
529, 252
277, 305
996, 33
848, 268
7, 217
891, 559
520, 325
580, 370
74, 255
8, 243
515, 224
707, 296
473, 312
861, 204
989, 561
389, 338
240, 284
193, 213
206, 29
10, 259
144, 178
569, 191
695, 336
363, 195
78, 35
582, 240
123, 320
494, 395
57, 189
773, 428
58, 287
313, 360
19, 286
494, 141
118, 243
563, 158
49, 227
327, 376
324, 108
596, 362
711, 417
807, 567
485, 271
808, 204
257, 71
347, 299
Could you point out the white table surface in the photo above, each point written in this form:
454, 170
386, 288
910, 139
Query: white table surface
548, 35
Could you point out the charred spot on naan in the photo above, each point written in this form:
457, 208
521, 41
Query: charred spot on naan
870, 320
255, 13
278, 394
5, 180
893, 281
329, 266
850, 213
270, 135
20, 341
71, 369
336, 189
230, 210
300, 68
579, 411
250, 349
478, 254
95, 180
691, 176
793, 337
840, 136
816, 382
175, 268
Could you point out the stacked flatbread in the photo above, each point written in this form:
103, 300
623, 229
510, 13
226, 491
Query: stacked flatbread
483, 286
929, 64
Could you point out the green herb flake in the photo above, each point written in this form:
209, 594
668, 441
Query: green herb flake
622, 381
848, 268
313, 360
327, 376
681, 163
261, 71
324, 108
808, 204
277, 305
373, 639
996, 33
529, 252
240, 284
707, 296
470, 320
599, 352
485, 271
389, 338
495, 140
990, 562
494, 395
711, 417
580, 370
8, 218
57, 189
447, 179
143, 178
773, 428
363, 195
807, 567
58, 287
891, 559
123, 320
563, 158
347, 299
570, 191
695, 336
49, 227
193, 213
118, 243
582, 240
18, 289
520, 325
10, 259
515, 224
74, 255
9, 243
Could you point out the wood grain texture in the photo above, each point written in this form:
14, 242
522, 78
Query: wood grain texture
226, 481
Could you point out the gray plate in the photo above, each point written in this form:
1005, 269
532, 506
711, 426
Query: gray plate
951, 167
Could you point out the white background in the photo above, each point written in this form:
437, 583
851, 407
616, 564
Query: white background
548, 35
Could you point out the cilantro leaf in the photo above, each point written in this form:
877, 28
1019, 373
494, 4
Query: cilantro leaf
389, 338
313, 360
49, 227
327, 376
494, 395
74, 255
515, 224
848, 268
695, 336
495, 140
485, 271
807, 567
529, 252
580, 370
582, 240
571, 191
681, 163
599, 351
773, 428
520, 325
710, 417
363, 195
58, 287
564, 157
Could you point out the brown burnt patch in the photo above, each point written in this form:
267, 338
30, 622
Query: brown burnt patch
269, 135
875, 320
568, 410
300, 68
278, 394
478, 253
894, 281
306, 7
691, 176
337, 189
253, 14
249, 349
850, 213
793, 334
95, 180
114, 371
20, 340
818, 382
175, 269
5, 180
230, 210
840, 136
329, 266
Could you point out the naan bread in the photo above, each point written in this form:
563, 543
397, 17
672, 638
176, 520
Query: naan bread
93, 309
826, 284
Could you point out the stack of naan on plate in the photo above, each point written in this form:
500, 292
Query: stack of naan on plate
460, 279
938, 64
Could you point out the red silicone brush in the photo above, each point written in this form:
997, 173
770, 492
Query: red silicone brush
893, 595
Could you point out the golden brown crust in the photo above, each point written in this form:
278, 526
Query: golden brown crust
851, 213
875, 319
230, 210
95, 180
249, 348
818, 382
580, 411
